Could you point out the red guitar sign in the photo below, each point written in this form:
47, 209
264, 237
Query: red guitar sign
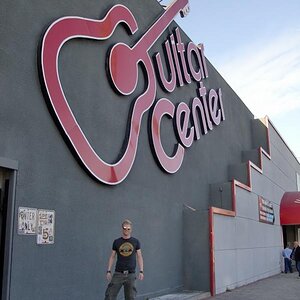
124, 60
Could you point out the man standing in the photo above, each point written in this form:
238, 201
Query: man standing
286, 253
297, 256
127, 249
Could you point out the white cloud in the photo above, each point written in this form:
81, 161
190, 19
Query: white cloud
267, 75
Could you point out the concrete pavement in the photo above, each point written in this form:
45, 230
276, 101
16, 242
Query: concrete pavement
185, 295
278, 287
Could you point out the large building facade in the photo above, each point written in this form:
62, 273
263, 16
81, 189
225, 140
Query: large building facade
109, 111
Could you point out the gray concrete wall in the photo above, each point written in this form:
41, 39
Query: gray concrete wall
88, 213
247, 250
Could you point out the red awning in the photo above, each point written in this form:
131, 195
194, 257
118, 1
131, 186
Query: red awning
290, 209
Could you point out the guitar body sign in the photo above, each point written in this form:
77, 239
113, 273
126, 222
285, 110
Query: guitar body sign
186, 64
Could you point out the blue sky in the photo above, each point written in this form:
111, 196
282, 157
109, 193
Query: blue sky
255, 46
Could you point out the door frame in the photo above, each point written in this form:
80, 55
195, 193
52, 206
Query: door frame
12, 166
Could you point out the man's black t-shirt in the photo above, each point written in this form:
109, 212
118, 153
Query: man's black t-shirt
126, 251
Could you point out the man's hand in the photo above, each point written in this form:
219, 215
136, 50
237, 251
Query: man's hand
108, 276
141, 276
110, 263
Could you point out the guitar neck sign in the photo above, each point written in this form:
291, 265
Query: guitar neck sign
185, 63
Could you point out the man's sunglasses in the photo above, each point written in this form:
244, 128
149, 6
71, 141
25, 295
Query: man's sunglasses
126, 228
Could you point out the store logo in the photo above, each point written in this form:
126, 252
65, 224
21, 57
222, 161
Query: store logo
185, 64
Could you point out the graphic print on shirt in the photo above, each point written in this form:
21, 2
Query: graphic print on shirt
126, 249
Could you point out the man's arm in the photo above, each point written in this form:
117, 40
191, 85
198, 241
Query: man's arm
110, 263
140, 263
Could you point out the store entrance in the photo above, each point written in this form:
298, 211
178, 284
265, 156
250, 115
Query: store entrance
290, 233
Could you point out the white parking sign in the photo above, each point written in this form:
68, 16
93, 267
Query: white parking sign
45, 227
27, 220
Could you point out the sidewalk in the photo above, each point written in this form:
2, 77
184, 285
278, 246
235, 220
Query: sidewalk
278, 287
